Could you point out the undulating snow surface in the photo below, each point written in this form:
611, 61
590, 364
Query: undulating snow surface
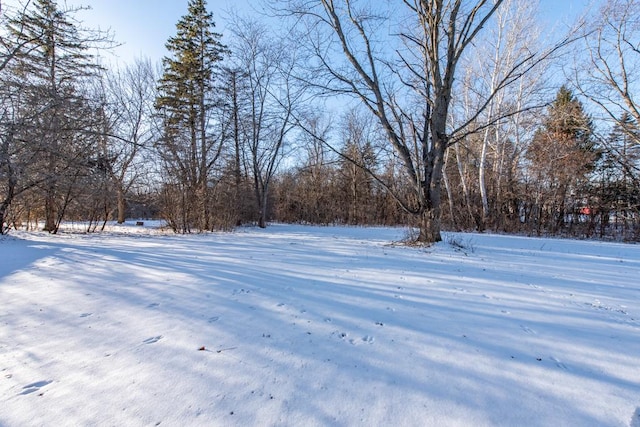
305, 326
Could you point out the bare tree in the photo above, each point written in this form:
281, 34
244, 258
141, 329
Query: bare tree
488, 181
360, 135
402, 62
608, 76
129, 127
271, 96
308, 192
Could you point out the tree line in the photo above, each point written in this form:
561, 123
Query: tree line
442, 114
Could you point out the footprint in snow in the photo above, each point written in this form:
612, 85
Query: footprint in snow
153, 305
367, 338
152, 340
86, 314
213, 319
341, 335
559, 364
527, 330
33, 387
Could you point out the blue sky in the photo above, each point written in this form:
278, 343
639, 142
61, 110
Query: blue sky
143, 26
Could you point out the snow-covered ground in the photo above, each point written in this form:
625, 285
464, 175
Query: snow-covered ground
304, 326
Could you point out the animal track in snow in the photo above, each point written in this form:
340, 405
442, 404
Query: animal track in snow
558, 363
33, 387
152, 340
527, 330
599, 306
340, 334
367, 339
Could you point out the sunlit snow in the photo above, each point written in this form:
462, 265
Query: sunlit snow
305, 326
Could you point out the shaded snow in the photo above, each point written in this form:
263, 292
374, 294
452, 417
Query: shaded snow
297, 325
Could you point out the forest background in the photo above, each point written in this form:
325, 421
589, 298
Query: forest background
459, 115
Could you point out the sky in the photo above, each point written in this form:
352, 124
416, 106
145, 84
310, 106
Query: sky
143, 26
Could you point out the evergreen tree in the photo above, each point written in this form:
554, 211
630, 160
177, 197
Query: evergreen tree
562, 155
623, 147
49, 70
187, 98
618, 175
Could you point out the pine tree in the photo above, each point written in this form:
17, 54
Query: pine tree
562, 155
187, 98
619, 172
623, 147
49, 70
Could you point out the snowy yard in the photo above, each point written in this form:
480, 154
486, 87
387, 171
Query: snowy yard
305, 326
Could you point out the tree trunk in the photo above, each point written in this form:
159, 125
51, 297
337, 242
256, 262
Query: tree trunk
465, 187
447, 186
4, 207
203, 203
434, 164
8, 198
262, 219
50, 210
122, 205
482, 180
236, 140
430, 226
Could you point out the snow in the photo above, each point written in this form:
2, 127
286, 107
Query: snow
332, 326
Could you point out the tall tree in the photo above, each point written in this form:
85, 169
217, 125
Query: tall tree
617, 190
623, 149
405, 77
129, 126
51, 69
271, 98
187, 99
561, 157
608, 75
496, 52
358, 156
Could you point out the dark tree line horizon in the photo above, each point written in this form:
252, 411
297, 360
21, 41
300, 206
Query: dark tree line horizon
455, 124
